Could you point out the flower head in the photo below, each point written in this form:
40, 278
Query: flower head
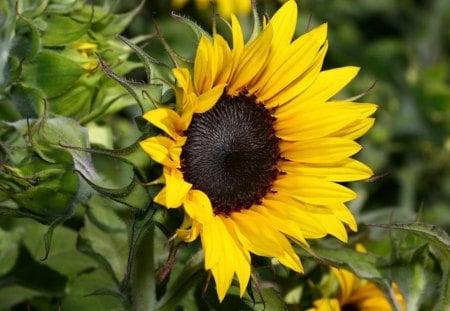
256, 145
357, 294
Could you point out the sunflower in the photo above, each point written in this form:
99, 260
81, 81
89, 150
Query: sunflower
255, 147
225, 7
358, 295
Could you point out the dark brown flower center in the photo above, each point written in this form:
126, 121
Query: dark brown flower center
231, 153
350, 307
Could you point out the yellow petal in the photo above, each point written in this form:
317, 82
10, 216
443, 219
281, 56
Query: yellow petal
165, 119
364, 109
344, 170
327, 84
164, 150
240, 256
207, 100
355, 129
225, 61
313, 190
323, 150
292, 62
238, 42
326, 304
348, 282
250, 63
205, 66
183, 78
263, 240
314, 123
281, 223
176, 188
343, 214
198, 206
284, 22
314, 221
224, 256
297, 87
191, 233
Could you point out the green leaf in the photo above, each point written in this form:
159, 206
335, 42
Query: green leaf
52, 73
28, 45
110, 249
190, 275
28, 101
7, 32
31, 274
62, 30
439, 242
9, 250
74, 103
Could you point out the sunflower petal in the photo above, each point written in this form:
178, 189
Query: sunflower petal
165, 119
198, 206
327, 84
313, 190
341, 211
314, 123
355, 129
241, 257
222, 256
163, 150
323, 150
292, 62
176, 188
284, 23
263, 240
281, 223
207, 100
252, 60
190, 234
345, 170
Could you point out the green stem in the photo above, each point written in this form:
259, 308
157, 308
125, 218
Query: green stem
142, 272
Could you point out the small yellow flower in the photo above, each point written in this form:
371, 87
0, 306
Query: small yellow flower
86, 50
256, 146
357, 294
225, 7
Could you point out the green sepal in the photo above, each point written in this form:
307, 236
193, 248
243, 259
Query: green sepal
62, 30
130, 195
257, 26
196, 28
112, 24
153, 68
177, 60
132, 88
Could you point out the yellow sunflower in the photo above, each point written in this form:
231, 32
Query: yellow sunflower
358, 295
256, 145
225, 7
